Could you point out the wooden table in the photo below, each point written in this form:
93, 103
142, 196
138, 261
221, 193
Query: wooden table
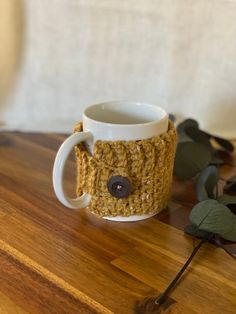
57, 260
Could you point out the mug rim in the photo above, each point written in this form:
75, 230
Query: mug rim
124, 102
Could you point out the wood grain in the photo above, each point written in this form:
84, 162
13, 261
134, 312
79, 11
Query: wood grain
7, 306
57, 260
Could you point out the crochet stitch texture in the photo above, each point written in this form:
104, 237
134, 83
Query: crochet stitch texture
148, 164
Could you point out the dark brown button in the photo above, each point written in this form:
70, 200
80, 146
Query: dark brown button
119, 186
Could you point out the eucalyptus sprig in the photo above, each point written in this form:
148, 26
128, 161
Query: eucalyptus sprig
211, 218
197, 157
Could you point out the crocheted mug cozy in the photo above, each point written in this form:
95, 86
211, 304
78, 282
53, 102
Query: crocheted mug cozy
127, 178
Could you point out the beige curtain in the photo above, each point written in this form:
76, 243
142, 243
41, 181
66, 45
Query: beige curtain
60, 56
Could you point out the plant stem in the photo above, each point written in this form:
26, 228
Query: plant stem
219, 244
163, 296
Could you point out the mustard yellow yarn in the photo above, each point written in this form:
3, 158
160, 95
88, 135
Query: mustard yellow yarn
148, 164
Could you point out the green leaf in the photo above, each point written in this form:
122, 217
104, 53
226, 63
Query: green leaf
227, 199
191, 158
182, 137
187, 123
216, 161
215, 218
227, 145
230, 185
206, 184
198, 136
207, 134
224, 143
194, 231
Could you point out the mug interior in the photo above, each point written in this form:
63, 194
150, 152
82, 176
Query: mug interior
125, 113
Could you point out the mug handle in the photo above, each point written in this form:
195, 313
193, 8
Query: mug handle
58, 171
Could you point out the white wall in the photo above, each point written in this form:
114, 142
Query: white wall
179, 54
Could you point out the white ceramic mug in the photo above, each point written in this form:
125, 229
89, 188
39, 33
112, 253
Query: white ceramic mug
111, 121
